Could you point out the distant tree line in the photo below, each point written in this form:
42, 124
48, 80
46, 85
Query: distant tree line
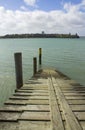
38, 35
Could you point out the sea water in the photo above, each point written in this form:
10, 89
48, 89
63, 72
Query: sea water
65, 55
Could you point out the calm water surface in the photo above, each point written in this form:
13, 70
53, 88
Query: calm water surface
66, 55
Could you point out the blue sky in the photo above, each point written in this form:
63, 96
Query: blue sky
32, 16
46, 5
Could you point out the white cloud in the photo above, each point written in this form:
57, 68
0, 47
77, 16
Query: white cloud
30, 2
82, 5
71, 19
83, 2
23, 8
70, 7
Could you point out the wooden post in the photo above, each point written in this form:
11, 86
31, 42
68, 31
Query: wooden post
40, 56
34, 65
18, 70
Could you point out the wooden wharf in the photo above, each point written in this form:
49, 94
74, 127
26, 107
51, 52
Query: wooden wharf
48, 101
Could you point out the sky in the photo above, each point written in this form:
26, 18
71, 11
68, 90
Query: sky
35, 16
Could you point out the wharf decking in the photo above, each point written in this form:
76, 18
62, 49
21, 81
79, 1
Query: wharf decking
48, 101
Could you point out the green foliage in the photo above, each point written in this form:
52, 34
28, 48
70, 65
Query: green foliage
38, 35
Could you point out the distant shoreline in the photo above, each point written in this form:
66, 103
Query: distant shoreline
38, 35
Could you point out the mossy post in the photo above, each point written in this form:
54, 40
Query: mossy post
18, 70
34, 65
40, 56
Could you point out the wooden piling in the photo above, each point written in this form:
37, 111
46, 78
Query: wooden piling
18, 70
40, 56
34, 65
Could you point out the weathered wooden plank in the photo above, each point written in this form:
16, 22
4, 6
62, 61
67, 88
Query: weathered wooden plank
82, 124
56, 120
34, 125
16, 102
71, 122
32, 91
80, 115
40, 116
19, 98
9, 125
77, 107
73, 91
37, 108
67, 86
9, 116
71, 82
21, 108
79, 87
76, 102
12, 108
40, 81
25, 102
35, 87
30, 94
75, 97
41, 102
29, 97
31, 88
74, 94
